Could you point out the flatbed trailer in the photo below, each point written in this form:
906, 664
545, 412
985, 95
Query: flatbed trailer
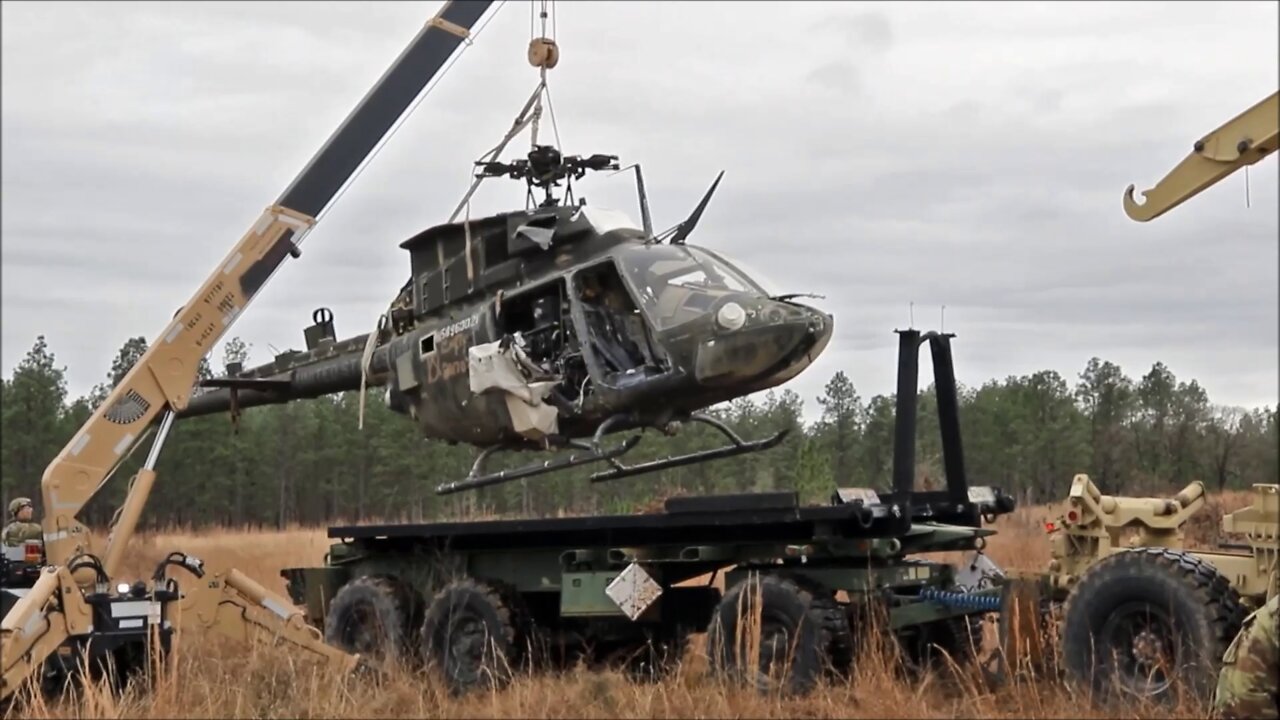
628, 590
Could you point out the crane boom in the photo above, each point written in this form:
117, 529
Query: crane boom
163, 378
161, 381
1241, 141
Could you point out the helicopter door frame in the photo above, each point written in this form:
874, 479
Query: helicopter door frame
650, 355
498, 306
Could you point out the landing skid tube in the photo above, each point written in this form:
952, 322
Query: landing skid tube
475, 480
738, 446
594, 453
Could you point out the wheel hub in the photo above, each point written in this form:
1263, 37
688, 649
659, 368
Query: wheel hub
466, 646
1148, 650
362, 631
1136, 637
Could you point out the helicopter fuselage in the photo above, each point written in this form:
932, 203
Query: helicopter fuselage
541, 328
607, 324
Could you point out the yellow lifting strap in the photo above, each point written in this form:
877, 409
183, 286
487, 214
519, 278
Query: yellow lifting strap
1241, 141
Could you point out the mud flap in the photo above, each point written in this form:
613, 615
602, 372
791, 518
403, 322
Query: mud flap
497, 368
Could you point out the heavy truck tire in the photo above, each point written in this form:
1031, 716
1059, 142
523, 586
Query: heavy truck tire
373, 615
802, 629
937, 645
1141, 604
474, 634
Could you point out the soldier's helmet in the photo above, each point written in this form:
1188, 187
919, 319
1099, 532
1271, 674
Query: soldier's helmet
18, 504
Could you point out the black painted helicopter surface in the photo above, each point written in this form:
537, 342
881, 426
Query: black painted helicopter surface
550, 328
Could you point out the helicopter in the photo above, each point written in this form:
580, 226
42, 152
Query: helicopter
551, 328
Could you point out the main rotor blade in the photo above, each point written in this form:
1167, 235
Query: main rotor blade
689, 224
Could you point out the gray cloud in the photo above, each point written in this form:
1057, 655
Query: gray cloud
839, 76
869, 32
967, 155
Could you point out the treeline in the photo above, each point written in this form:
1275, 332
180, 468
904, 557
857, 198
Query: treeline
310, 462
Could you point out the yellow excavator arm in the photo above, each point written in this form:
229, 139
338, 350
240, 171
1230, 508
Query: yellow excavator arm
1241, 141
77, 584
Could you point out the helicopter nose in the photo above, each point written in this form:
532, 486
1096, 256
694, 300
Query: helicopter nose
769, 346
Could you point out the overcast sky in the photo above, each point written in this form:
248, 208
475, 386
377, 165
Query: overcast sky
966, 155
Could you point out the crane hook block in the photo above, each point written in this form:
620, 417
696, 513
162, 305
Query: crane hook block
543, 53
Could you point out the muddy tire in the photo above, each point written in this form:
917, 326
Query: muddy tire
474, 635
804, 634
374, 616
1151, 623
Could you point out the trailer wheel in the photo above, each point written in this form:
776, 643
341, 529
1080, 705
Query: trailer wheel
1146, 619
795, 633
473, 635
372, 615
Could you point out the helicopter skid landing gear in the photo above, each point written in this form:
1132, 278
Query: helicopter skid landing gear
477, 480
595, 452
737, 446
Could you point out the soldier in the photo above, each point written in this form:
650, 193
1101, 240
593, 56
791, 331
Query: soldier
1249, 685
21, 528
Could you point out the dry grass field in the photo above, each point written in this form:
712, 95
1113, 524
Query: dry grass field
225, 680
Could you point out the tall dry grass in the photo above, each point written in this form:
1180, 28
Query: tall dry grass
212, 677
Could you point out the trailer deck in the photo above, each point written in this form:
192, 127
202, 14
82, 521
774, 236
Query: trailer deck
754, 517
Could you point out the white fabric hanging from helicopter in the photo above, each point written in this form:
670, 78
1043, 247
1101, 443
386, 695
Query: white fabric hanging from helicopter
495, 368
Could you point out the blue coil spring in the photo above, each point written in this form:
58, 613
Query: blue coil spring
965, 601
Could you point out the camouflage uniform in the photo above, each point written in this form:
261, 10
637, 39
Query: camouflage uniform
1249, 685
19, 531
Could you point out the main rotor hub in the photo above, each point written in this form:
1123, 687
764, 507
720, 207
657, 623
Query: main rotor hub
545, 167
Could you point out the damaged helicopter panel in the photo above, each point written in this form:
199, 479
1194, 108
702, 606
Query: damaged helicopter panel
504, 367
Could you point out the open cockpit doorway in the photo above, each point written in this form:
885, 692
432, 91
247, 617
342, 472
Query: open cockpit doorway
619, 340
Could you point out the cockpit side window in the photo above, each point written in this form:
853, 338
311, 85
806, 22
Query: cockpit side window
722, 275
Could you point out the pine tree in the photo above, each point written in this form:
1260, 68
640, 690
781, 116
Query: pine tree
31, 420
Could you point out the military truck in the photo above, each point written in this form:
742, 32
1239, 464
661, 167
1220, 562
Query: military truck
19, 569
480, 600
1142, 614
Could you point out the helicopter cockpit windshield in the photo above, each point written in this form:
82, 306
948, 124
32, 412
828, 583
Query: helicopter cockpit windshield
678, 283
